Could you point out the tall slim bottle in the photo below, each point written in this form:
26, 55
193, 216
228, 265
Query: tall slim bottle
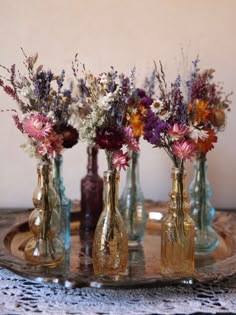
91, 193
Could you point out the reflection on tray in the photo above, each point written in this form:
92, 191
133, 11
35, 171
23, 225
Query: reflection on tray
144, 261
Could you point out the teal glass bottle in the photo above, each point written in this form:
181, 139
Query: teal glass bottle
63, 204
201, 210
131, 203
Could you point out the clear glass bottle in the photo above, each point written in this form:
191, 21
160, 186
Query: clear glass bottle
63, 204
177, 235
91, 193
110, 244
44, 248
136, 265
131, 203
85, 252
201, 210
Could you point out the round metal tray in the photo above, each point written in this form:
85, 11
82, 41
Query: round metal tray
144, 261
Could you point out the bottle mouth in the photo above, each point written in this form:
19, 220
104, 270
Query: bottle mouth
178, 171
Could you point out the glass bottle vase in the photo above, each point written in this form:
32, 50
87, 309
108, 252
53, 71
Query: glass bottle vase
177, 235
131, 203
91, 193
44, 248
201, 209
63, 204
110, 244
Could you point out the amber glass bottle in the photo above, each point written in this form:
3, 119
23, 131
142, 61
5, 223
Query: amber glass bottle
91, 193
177, 235
110, 244
44, 247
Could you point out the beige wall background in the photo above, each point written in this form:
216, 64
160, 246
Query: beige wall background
121, 33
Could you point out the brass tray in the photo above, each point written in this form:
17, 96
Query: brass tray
144, 261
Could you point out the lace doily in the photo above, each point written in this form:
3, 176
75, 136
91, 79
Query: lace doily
21, 296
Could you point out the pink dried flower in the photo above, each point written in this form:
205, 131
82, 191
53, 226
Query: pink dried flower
130, 140
37, 126
184, 149
177, 131
50, 146
120, 160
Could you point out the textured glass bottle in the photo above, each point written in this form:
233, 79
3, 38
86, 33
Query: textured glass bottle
64, 203
201, 209
177, 235
44, 248
110, 245
91, 193
131, 203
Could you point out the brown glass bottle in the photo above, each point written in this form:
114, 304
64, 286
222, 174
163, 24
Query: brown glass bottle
91, 193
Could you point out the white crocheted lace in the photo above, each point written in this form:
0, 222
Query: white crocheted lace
21, 296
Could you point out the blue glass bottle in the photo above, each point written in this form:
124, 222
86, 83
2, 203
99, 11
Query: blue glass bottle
201, 210
131, 203
64, 203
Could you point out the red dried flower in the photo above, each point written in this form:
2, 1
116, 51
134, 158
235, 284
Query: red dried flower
109, 138
206, 145
69, 134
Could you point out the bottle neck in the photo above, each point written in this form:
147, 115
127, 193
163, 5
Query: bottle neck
44, 170
58, 180
132, 172
178, 196
200, 184
200, 166
57, 169
111, 190
92, 166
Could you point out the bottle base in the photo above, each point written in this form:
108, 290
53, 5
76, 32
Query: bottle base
175, 270
134, 243
44, 252
205, 241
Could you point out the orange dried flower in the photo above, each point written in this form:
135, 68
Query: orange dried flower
201, 112
136, 125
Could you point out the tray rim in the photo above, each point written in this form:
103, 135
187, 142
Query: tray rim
16, 217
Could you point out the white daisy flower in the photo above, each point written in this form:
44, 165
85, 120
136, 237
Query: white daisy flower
157, 106
196, 134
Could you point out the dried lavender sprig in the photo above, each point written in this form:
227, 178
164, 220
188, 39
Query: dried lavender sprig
179, 107
164, 95
132, 78
112, 75
29, 63
149, 83
48, 80
60, 82
75, 66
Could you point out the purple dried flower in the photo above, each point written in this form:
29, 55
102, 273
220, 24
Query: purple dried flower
146, 101
153, 128
141, 93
